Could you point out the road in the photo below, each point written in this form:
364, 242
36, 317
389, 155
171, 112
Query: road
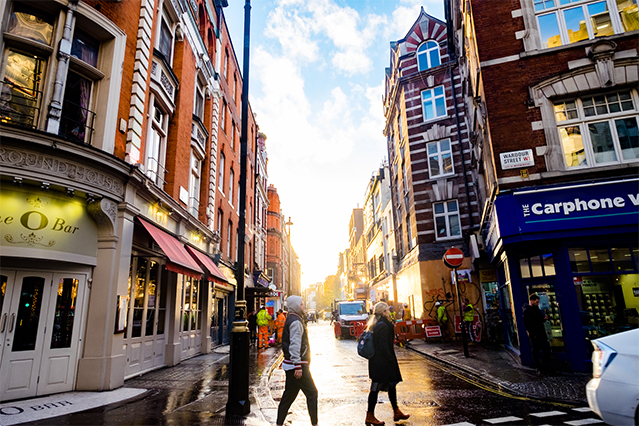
429, 392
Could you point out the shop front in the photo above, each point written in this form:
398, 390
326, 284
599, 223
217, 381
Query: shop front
576, 247
49, 248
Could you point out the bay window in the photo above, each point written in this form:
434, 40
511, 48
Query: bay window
562, 22
601, 129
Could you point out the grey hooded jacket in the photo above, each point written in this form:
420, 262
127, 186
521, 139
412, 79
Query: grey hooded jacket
295, 342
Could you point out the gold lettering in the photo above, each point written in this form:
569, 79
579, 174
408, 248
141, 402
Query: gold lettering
59, 225
24, 220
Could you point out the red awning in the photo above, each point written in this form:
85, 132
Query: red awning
179, 259
215, 274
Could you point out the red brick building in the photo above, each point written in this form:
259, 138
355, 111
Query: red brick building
551, 89
434, 200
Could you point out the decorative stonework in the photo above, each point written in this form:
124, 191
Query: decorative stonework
601, 53
52, 166
105, 213
31, 240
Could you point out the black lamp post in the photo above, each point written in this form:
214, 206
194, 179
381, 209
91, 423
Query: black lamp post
238, 400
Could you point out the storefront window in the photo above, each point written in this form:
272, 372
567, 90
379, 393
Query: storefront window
146, 291
138, 297
64, 313
508, 308
608, 303
551, 309
537, 266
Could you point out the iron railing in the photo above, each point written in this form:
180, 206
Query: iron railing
19, 105
76, 122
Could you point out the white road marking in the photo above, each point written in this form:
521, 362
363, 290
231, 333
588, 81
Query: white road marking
548, 414
461, 424
502, 420
584, 422
582, 409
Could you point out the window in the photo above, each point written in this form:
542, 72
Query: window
232, 141
231, 179
21, 97
194, 184
440, 160
600, 129
223, 116
156, 143
447, 219
400, 132
165, 38
428, 55
229, 231
221, 173
225, 70
564, 22
219, 227
433, 103
235, 86
409, 233
537, 266
198, 102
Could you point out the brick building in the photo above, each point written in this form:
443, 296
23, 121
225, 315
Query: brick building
110, 121
551, 89
434, 200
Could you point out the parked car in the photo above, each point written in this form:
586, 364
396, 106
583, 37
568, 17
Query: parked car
613, 391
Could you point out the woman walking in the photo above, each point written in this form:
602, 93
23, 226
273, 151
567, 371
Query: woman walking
384, 371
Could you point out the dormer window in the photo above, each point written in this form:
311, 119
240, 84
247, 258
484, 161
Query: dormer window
428, 55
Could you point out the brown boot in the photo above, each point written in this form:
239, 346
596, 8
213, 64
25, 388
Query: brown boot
399, 415
371, 420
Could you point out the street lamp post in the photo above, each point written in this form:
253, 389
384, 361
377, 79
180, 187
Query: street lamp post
238, 399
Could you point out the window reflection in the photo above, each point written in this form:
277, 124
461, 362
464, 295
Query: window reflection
64, 313
30, 24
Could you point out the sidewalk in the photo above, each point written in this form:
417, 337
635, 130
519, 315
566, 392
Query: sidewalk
494, 367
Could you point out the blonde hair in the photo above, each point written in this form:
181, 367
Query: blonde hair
378, 310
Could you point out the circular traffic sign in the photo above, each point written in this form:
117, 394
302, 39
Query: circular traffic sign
453, 257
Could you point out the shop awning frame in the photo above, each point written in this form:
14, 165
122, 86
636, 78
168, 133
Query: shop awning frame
179, 259
215, 274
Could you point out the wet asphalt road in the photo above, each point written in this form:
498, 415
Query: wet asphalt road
195, 393
430, 393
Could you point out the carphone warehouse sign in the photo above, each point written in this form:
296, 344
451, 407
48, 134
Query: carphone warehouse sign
569, 207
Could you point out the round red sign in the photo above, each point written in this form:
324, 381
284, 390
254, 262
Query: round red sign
453, 257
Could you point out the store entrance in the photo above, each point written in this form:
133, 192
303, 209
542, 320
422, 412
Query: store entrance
40, 322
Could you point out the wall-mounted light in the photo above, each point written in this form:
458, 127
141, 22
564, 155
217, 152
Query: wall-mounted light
70, 192
44, 186
17, 181
90, 198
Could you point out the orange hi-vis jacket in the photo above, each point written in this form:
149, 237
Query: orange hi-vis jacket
280, 321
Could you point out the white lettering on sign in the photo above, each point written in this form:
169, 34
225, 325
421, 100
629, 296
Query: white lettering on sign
517, 159
577, 205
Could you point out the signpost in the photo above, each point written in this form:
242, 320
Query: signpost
453, 259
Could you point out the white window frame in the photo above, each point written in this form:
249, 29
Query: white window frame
156, 144
231, 179
221, 173
223, 117
447, 214
582, 121
195, 176
440, 154
554, 7
171, 26
434, 98
219, 228
425, 49
229, 230
198, 100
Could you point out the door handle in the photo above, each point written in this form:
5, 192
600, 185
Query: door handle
3, 323
13, 317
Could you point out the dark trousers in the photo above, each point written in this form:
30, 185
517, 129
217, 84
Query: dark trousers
373, 398
540, 344
292, 387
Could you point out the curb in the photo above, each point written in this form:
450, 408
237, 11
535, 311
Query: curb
492, 383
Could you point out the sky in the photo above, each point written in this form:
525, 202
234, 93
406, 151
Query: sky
316, 85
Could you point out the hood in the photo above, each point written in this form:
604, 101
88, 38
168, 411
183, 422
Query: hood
294, 304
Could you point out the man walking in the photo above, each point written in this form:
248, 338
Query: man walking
263, 328
534, 320
295, 347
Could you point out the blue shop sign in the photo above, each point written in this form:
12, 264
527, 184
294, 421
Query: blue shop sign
552, 209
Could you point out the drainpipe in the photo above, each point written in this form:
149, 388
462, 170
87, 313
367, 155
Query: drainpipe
64, 52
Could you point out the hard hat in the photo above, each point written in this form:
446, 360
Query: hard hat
438, 303
406, 304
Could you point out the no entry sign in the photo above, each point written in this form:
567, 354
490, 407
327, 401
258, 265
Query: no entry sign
453, 257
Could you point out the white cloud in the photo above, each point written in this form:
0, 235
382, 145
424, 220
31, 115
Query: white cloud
293, 32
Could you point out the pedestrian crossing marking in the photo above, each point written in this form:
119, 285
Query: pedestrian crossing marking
582, 409
503, 419
548, 414
461, 424
584, 422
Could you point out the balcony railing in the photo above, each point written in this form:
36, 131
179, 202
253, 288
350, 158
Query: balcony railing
19, 105
76, 123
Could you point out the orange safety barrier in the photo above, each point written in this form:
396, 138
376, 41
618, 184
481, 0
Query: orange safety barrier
409, 330
355, 329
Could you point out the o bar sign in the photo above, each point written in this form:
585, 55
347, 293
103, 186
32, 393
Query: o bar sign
453, 258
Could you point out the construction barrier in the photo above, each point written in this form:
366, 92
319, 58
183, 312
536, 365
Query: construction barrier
414, 329
356, 328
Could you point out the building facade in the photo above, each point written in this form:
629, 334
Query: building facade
435, 203
559, 156
110, 117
